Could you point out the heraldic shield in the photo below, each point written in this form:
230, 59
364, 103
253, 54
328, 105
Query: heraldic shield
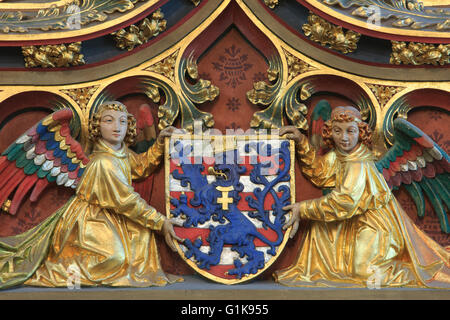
227, 195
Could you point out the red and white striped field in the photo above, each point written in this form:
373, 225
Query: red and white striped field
202, 230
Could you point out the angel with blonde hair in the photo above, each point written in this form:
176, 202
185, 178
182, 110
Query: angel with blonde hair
106, 231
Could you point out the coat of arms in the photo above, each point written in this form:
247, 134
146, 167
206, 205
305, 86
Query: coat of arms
228, 194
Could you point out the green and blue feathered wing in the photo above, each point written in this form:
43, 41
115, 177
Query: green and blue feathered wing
417, 163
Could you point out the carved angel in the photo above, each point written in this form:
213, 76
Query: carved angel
105, 231
358, 231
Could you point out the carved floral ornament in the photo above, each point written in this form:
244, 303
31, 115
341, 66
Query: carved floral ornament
67, 55
271, 3
137, 35
296, 66
384, 93
321, 31
165, 67
53, 56
419, 53
81, 95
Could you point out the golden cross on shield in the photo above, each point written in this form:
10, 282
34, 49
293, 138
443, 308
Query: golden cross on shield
224, 200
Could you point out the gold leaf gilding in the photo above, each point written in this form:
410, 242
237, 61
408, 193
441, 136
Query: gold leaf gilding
53, 56
419, 53
135, 36
321, 31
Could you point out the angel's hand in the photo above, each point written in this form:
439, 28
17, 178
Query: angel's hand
292, 133
167, 132
169, 234
295, 218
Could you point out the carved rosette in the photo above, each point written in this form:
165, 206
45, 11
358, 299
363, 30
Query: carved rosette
138, 35
419, 53
53, 56
321, 31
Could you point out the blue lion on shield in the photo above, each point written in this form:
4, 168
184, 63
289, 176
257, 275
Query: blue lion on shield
218, 201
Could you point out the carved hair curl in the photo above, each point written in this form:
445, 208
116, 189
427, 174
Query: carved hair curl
94, 123
365, 133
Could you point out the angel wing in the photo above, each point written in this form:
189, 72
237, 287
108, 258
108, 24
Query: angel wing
416, 162
46, 153
321, 113
145, 124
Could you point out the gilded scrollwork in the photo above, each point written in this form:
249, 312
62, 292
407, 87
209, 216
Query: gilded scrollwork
199, 92
280, 102
321, 31
419, 53
138, 35
53, 56
399, 109
180, 96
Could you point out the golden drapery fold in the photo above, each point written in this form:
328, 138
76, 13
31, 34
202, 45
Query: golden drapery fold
358, 231
105, 230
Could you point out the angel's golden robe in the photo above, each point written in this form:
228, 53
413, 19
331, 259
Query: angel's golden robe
359, 231
104, 231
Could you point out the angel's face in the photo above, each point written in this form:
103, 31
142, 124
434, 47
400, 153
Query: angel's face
345, 135
113, 127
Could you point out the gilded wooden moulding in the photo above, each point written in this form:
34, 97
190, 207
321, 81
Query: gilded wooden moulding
137, 35
53, 56
402, 14
321, 31
419, 53
55, 17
